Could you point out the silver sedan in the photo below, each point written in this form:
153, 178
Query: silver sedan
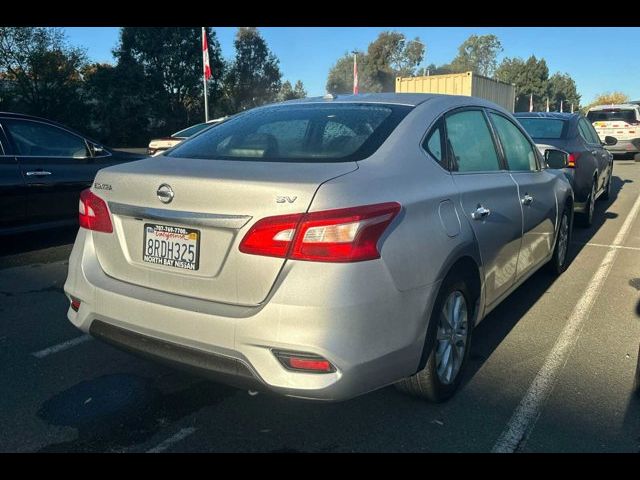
321, 248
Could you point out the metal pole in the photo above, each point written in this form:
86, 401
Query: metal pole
355, 75
204, 80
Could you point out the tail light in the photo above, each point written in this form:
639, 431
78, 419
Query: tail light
573, 159
342, 235
93, 213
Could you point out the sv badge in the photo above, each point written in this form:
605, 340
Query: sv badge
285, 199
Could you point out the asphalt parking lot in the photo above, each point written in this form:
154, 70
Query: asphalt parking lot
556, 361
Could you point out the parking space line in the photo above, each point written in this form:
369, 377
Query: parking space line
182, 434
590, 244
524, 417
62, 346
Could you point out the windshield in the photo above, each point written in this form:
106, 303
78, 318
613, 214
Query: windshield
627, 115
298, 133
551, 128
192, 130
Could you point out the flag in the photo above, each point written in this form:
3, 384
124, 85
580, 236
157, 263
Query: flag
561, 106
531, 103
572, 108
355, 75
547, 104
205, 56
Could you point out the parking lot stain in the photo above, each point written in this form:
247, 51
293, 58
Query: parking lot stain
114, 412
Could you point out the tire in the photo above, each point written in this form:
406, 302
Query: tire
586, 219
430, 383
559, 260
606, 195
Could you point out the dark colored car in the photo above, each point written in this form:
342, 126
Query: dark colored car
572, 144
43, 168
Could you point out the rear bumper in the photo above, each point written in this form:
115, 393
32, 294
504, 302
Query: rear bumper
625, 146
352, 315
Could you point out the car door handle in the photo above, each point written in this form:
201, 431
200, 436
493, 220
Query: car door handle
480, 212
527, 199
38, 173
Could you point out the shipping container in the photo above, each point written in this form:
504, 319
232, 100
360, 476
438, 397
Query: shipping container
467, 83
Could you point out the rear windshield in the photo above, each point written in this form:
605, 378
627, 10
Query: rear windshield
613, 115
192, 130
298, 133
551, 128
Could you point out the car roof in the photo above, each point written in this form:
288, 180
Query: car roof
410, 99
555, 115
616, 105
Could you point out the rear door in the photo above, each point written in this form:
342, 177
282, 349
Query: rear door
535, 191
13, 206
56, 165
488, 197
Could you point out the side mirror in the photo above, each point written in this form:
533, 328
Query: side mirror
610, 140
556, 158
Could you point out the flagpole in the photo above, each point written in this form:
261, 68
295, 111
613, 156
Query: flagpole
355, 73
204, 77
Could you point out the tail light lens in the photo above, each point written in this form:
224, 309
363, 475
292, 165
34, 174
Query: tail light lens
342, 235
573, 160
304, 362
93, 213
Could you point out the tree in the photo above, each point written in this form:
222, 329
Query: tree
120, 105
478, 53
562, 91
171, 62
388, 57
287, 92
608, 98
254, 77
530, 77
42, 73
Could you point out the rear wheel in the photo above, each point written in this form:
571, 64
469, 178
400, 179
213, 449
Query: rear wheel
586, 219
447, 344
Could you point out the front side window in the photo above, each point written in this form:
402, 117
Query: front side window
304, 133
36, 139
517, 149
469, 142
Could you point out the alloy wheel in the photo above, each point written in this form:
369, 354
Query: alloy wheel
452, 337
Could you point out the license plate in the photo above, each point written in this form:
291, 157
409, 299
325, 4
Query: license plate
176, 247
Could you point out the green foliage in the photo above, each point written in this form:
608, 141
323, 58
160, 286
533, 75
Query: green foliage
387, 57
607, 98
287, 92
254, 77
478, 53
562, 89
530, 77
41, 74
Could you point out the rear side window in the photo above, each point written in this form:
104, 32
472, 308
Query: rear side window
433, 145
469, 142
549, 128
517, 149
41, 140
304, 133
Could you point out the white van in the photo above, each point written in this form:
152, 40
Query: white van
620, 121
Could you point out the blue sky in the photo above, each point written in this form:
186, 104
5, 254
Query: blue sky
598, 59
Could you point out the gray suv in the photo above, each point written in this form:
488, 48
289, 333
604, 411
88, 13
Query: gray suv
321, 248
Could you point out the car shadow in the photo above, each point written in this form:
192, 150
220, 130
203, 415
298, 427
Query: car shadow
499, 323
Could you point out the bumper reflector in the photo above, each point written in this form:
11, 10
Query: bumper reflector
304, 362
75, 304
